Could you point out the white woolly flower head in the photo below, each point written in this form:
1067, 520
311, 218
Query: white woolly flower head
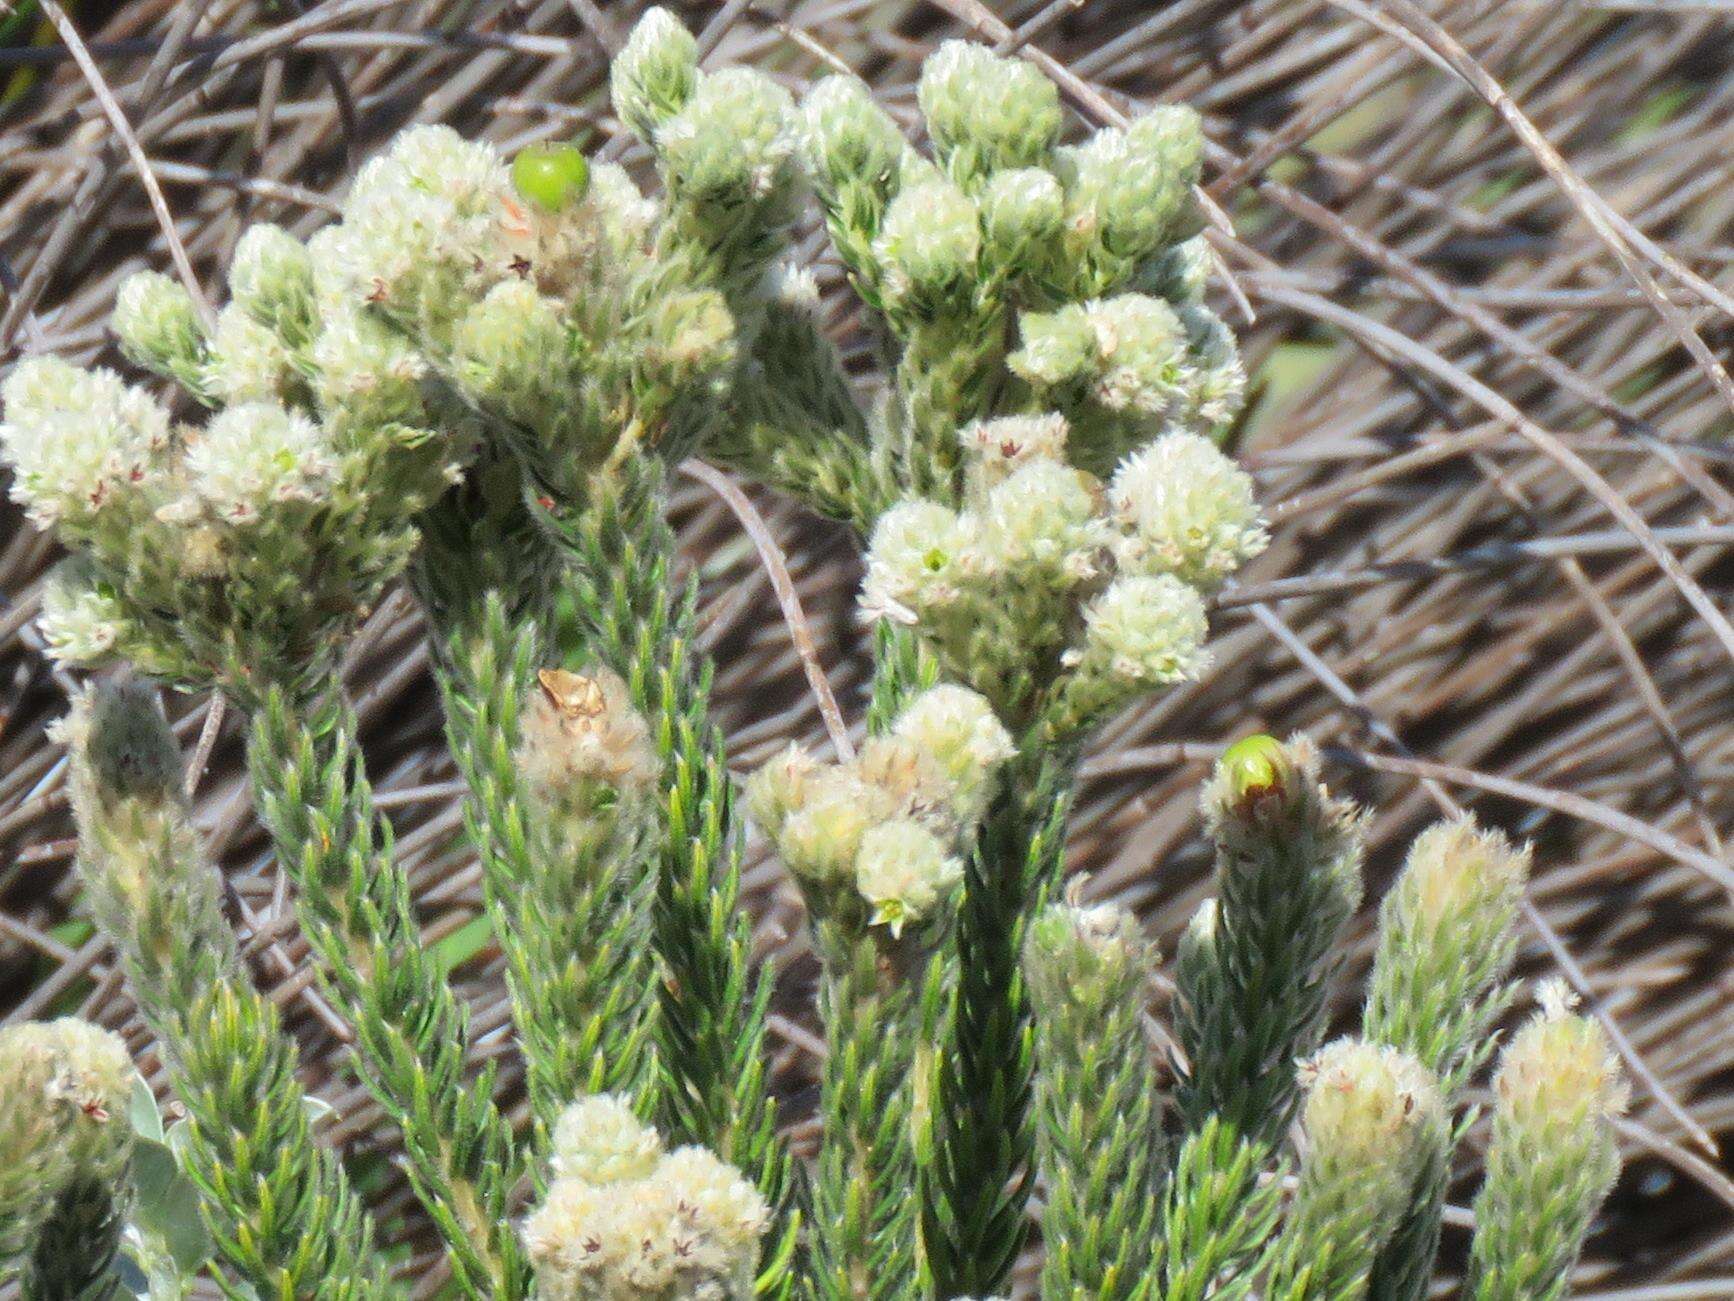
655, 72
1141, 345
600, 1140
254, 456
918, 559
820, 838
1370, 1111
248, 361
1145, 630
422, 228
959, 731
986, 112
905, 872
76, 439
996, 448
685, 1226
780, 787
1043, 521
77, 1078
157, 324
366, 373
81, 623
1187, 509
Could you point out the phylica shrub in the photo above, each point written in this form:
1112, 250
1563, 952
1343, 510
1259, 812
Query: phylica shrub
475, 383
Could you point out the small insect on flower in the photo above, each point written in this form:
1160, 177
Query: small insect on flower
551, 176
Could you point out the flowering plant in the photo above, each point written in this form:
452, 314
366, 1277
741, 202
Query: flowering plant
476, 383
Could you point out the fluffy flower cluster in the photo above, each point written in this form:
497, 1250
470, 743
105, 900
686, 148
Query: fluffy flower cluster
582, 317
1050, 590
886, 830
237, 550
1000, 195
625, 1220
1094, 249
65, 1084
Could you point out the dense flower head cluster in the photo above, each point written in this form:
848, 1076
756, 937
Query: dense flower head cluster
1048, 581
626, 1220
240, 549
885, 831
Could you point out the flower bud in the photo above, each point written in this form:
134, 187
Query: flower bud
271, 279
511, 354
654, 74
1188, 511
850, 144
905, 873
1553, 1158
1129, 192
1558, 1073
731, 143
158, 326
928, 246
1021, 212
1084, 958
986, 113
248, 361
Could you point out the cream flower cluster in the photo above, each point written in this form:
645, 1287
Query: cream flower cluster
240, 548
886, 830
626, 1220
1049, 590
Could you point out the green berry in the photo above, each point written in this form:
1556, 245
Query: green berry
551, 176
1254, 764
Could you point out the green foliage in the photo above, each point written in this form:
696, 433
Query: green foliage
1100, 1134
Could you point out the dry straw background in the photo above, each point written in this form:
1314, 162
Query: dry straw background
1481, 253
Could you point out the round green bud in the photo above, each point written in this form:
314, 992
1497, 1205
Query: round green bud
1254, 764
551, 176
